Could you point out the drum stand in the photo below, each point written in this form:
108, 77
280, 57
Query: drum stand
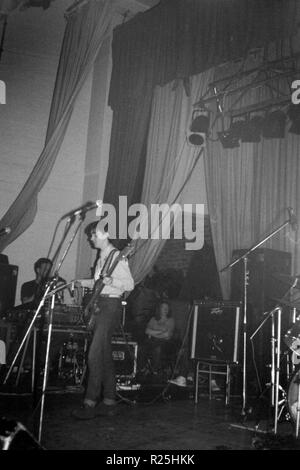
275, 363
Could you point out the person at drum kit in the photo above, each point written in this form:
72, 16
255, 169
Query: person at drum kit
33, 291
105, 315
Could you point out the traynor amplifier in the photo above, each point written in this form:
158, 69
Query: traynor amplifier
215, 331
124, 355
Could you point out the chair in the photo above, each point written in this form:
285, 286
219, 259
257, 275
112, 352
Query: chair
213, 369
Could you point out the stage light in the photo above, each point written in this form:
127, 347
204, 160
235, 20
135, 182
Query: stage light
199, 127
274, 125
252, 129
230, 138
294, 115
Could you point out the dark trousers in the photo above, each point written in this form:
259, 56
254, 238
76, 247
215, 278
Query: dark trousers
158, 350
101, 376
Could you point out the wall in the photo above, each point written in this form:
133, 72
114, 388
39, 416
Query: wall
28, 67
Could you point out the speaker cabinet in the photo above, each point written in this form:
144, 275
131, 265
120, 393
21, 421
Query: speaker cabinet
124, 355
215, 331
265, 280
8, 284
14, 436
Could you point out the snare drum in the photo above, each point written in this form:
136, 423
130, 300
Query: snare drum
292, 337
292, 396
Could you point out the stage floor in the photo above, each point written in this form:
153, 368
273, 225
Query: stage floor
150, 420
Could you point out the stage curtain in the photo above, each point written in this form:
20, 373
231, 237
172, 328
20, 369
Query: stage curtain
176, 39
85, 31
170, 160
249, 188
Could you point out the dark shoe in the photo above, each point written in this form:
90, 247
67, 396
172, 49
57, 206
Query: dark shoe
85, 412
106, 410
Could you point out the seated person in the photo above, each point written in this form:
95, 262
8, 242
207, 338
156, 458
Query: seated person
160, 332
33, 291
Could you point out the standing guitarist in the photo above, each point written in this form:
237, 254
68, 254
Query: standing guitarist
105, 312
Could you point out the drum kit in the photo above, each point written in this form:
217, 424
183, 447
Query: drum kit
291, 339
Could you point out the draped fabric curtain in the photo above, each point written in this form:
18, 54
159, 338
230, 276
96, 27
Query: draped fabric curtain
249, 188
169, 160
85, 31
176, 39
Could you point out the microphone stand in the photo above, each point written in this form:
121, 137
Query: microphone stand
275, 360
52, 294
244, 257
49, 292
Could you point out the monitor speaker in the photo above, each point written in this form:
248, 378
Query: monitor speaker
215, 331
14, 436
124, 355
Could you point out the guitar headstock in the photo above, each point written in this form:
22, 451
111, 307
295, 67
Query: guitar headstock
127, 250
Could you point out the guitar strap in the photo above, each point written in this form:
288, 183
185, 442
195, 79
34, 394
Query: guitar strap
107, 263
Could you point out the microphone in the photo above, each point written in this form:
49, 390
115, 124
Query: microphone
88, 206
5, 231
292, 219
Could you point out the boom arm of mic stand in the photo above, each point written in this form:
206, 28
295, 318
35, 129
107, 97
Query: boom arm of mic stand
70, 242
58, 289
287, 222
69, 223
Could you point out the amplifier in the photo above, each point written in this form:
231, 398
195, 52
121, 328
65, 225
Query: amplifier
124, 355
215, 330
67, 314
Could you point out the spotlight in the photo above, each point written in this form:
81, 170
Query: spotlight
294, 115
252, 129
197, 138
274, 125
199, 127
230, 138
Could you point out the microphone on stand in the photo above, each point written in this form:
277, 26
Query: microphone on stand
88, 206
292, 219
5, 231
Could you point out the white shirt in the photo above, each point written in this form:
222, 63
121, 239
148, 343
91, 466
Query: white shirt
122, 280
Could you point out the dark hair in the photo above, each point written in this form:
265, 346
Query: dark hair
157, 310
91, 228
41, 261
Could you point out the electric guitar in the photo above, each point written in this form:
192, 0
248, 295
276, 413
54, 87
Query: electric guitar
99, 284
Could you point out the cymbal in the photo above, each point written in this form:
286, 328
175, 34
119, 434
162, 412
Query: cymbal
285, 302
